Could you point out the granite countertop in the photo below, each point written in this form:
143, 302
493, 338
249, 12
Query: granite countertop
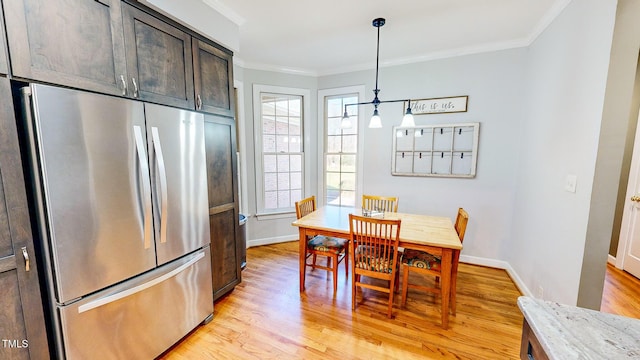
569, 332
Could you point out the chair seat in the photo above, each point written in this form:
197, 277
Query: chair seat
421, 259
363, 260
327, 244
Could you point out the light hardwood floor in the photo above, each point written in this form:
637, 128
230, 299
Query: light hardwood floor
266, 317
621, 294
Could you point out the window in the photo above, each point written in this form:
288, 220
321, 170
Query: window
280, 159
340, 151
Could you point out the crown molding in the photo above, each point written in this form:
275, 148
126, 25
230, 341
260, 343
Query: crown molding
275, 68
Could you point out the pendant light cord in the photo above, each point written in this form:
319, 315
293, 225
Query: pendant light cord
377, 23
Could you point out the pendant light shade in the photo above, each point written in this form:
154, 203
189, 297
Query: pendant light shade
407, 119
346, 121
376, 122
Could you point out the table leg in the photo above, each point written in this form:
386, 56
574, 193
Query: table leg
301, 251
445, 285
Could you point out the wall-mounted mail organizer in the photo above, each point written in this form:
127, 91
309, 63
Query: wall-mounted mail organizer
436, 150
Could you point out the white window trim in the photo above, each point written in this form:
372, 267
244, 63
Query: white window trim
261, 213
358, 89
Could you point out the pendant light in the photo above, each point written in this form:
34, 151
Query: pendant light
376, 121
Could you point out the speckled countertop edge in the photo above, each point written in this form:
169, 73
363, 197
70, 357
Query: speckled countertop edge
569, 332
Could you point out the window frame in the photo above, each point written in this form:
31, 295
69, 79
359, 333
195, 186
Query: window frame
258, 90
358, 90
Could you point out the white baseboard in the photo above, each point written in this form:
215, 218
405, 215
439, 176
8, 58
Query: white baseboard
271, 240
611, 260
499, 264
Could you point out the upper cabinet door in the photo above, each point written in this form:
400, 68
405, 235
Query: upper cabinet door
77, 43
159, 60
213, 77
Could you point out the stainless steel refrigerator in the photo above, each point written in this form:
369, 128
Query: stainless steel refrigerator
120, 194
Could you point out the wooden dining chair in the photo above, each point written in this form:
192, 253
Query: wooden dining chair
373, 253
334, 249
382, 203
424, 263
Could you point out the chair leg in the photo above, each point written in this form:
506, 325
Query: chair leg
405, 284
346, 263
391, 292
335, 273
454, 280
353, 289
314, 261
452, 302
397, 280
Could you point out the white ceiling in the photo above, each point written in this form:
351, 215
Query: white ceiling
334, 36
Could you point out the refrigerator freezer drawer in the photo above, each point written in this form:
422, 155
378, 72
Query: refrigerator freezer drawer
142, 317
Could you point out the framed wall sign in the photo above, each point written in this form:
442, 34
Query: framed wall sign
435, 150
453, 104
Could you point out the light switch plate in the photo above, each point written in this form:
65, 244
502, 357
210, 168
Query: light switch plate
570, 183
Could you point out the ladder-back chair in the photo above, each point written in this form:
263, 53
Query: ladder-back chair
335, 249
373, 252
424, 263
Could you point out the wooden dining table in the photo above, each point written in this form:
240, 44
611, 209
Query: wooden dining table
433, 234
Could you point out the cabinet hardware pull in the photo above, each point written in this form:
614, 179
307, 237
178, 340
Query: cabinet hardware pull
198, 102
26, 258
135, 87
124, 85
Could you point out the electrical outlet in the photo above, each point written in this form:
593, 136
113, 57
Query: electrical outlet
539, 292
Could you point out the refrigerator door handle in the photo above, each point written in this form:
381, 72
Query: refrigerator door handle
136, 289
146, 185
157, 148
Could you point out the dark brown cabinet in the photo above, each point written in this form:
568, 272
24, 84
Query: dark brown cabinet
22, 329
530, 347
213, 74
77, 43
116, 48
220, 148
159, 60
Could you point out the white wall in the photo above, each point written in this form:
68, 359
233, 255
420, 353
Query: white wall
494, 83
566, 68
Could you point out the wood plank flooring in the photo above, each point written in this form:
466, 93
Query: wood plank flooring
266, 317
621, 293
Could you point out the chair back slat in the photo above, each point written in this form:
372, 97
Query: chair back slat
461, 223
375, 243
305, 206
380, 203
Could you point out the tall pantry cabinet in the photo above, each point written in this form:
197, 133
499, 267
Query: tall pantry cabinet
124, 49
22, 328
